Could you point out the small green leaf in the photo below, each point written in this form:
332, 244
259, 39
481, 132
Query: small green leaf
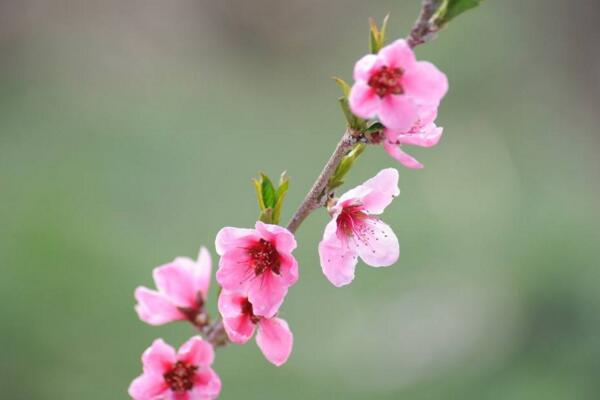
384, 25
284, 183
337, 179
374, 127
376, 35
268, 191
266, 216
450, 9
343, 85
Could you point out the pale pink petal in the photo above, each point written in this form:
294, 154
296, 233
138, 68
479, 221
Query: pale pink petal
154, 309
279, 236
158, 358
239, 329
425, 83
202, 271
406, 160
366, 66
338, 262
430, 136
363, 100
377, 244
352, 196
275, 340
229, 238
288, 269
384, 188
234, 271
398, 55
266, 293
196, 352
147, 387
398, 112
176, 282
207, 385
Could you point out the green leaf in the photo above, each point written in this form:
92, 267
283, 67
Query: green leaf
450, 9
337, 179
376, 35
353, 121
343, 85
374, 127
268, 191
284, 183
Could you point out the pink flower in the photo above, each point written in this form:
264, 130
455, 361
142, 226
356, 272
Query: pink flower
424, 133
257, 262
185, 375
354, 229
393, 84
274, 337
182, 288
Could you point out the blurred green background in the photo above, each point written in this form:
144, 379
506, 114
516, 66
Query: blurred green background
129, 131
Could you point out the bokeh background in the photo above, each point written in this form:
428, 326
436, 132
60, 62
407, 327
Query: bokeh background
130, 130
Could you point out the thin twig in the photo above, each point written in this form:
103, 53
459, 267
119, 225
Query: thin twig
423, 30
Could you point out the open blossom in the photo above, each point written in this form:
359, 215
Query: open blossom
182, 288
185, 375
392, 84
424, 133
274, 337
258, 263
355, 230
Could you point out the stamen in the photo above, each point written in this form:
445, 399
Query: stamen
387, 81
180, 378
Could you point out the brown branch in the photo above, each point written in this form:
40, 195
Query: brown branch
423, 31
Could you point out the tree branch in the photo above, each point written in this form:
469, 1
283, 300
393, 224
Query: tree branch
423, 30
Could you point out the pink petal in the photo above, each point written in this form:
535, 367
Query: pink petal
234, 271
363, 100
406, 160
230, 304
266, 293
207, 385
281, 238
430, 136
154, 309
147, 387
171, 395
398, 54
239, 329
196, 352
398, 112
202, 270
425, 83
384, 187
230, 238
158, 358
377, 244
352, 196
366, 66
338, 262
176, 282
275, 340
288, 269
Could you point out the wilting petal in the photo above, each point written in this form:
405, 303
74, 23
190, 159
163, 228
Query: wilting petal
196, 352
202, 271
158, 358
425, 83
207, 385
155, 309
266, 293
377, 244
275, 340
430, 136
147, 387
338, 262
398, 55
363, 100
231, 238
406, 160
384, 187
398, 112
176, 282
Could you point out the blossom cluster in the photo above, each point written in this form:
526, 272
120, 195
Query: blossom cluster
256, 266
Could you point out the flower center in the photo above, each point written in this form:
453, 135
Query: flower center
264, 256
180, 378
387, 81
349, 217
247, 310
